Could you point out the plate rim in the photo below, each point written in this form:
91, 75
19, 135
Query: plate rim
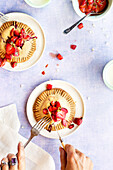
69, 84
44, 45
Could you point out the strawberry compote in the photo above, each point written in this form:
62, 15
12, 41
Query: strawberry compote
87, 6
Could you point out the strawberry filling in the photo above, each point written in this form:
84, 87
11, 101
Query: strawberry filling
57, 112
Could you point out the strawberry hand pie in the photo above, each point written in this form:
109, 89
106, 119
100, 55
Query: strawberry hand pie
17, 43
55, 103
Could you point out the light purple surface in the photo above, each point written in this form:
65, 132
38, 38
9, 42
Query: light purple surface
82, 67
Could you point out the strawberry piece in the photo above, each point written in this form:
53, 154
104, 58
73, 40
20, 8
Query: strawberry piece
8, 57
10, 49
22, 32
54, 108
50, 108
64, 122
64, 110
60, 115
16, 53
54, 118
83, 4
57, 104
49, 86
19, 42
71, 126
26, 37
2, 62
12, 32
45, 111
46, 66
43, 72
50, 128
78, 121
52, 103
59, 56
80, 26
13, 64
73, 47
90, 1
14, 38
16, 33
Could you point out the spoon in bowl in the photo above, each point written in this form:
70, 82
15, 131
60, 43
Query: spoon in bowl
74, 25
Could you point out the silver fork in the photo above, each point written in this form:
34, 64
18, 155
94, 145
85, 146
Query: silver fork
3, 18
37, 128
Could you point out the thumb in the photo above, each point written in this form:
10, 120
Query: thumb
63, 158
21, 157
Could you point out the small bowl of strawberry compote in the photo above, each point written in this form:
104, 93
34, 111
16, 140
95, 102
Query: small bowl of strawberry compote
99, 7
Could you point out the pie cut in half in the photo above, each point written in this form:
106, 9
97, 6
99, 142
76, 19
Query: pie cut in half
17, 42
57, 104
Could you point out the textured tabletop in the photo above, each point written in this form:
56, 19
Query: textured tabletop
82, 68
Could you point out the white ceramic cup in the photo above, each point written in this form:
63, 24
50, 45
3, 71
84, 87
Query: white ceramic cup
91, 18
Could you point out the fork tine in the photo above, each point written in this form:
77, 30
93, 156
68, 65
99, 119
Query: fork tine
3, 17
42, 121
44, 125
38, 122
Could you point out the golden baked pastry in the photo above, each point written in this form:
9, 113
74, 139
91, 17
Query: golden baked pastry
17, 42
59, 104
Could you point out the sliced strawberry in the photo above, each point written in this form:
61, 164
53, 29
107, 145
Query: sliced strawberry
64, 122
59, 56
64, 110
46, 66
83, 4
60, 115
2, 62
80, 26
12, 32
14, 38
8, 57
49, 86
22, 32
52, 103
27, 37
54, 108
90, 1
49, 128
45, 111
71, 126
19, 42
10, 49
57, 104
16, 33
16, 53
78, 121
54, 118
13, 64
73, 47
50, 108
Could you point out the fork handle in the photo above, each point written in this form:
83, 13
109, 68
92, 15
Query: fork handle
31, 137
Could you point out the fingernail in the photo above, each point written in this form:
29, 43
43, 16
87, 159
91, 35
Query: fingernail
20, 143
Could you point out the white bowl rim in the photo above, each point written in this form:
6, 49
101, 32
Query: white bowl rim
37, 6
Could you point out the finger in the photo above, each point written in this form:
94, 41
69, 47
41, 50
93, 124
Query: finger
71, 155
4, 163
80, 154
89, 163
13, 161
21, 157
63, 158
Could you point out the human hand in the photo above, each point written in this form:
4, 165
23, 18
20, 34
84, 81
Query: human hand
10, 162
72, 159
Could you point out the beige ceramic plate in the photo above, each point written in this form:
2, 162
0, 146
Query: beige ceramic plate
40, 45
71, 90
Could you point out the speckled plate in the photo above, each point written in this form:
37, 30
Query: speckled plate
73, 92
40, 42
